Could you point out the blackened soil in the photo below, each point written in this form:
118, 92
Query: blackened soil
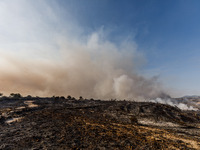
94, 124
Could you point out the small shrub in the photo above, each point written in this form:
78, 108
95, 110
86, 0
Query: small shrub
69, 97
62, 97
15, 95
29, 96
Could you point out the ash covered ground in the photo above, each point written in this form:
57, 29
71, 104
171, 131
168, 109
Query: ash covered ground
67, 123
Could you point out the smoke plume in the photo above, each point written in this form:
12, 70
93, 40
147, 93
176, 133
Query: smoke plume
44, 51
94, 67
175, 103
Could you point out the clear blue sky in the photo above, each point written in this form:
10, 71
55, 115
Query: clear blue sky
167, 32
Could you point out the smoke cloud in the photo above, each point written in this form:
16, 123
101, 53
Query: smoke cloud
45, 52
94, 68
175, 103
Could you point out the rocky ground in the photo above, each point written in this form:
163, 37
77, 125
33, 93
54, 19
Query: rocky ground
59, 123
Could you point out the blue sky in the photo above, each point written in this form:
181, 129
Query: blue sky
166, 33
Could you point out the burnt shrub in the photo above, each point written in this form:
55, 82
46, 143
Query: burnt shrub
69, 97
15, 95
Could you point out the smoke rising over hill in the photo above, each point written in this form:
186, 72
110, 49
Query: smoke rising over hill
44, 55
52, 54
94, 67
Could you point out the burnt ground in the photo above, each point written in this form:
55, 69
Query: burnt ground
59, 123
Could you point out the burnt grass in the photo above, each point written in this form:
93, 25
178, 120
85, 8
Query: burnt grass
59, 123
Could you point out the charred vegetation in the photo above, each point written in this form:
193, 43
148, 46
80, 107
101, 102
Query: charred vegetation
69, 123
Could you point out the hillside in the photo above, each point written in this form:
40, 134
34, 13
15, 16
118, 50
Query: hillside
59, 123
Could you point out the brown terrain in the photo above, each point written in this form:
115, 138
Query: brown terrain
59, 123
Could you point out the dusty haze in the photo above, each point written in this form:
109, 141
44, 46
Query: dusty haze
93, 67
45, 52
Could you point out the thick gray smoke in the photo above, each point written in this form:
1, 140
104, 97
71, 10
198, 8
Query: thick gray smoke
44, 52
91, 68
